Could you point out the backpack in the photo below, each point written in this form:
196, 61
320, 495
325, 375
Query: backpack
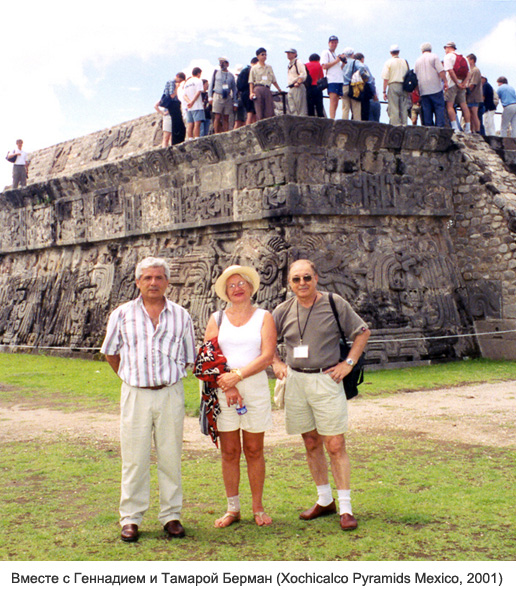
410, 80
166, 101
460, 67
242, 82
308, 81
353, 379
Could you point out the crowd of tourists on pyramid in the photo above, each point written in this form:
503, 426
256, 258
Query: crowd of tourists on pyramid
447, 92
442, 92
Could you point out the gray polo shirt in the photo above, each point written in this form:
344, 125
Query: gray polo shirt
321, 333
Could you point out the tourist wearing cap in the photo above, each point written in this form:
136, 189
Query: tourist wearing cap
399, 101
222, 93
456, 76
261, 78
296, 76
247, 337
332, 64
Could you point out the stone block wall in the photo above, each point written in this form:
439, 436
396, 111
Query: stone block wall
388, 214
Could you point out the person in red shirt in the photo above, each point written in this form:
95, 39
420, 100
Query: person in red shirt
415, 110
314, 95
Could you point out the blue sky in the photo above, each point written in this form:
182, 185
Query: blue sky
70, 68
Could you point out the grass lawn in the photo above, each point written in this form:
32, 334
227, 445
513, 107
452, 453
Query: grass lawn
415, 498
72, 383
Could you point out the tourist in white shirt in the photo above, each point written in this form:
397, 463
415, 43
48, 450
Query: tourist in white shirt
332, 65
21, 165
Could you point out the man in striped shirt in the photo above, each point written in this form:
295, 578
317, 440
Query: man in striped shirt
148, 343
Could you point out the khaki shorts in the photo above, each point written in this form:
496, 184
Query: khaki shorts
455, 95
313, 401
222, 106
257, 399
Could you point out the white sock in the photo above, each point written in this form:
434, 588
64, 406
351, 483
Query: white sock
344, 501
454, 125
467, 127
325, 495
234, 504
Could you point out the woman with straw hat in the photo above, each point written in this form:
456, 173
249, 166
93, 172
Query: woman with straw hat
247, 337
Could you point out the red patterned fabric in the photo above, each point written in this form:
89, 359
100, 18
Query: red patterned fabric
209, 364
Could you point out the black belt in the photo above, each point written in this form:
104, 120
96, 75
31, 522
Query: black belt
155, 387
309, 370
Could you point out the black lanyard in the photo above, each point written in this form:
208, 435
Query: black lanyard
301, 334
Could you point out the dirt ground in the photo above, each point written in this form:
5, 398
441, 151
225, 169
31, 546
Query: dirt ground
481, 414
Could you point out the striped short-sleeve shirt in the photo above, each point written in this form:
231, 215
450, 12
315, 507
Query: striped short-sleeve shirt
150, 357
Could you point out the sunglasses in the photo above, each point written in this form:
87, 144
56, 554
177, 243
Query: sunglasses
306, 279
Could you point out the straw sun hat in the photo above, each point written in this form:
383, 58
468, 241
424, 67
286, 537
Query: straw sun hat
247, 272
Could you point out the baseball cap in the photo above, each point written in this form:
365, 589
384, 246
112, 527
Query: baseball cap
291, 50
394, 47
333, 38
348, 51
223, 59
450, 44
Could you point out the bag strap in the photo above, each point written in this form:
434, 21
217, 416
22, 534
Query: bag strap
334, 309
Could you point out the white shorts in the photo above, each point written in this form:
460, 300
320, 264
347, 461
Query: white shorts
167, 123
257, 399
313, 401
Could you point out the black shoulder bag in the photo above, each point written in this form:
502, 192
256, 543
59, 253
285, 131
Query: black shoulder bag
356, 376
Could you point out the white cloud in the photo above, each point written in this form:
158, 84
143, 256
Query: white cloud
61, 45
341, 12
498, 48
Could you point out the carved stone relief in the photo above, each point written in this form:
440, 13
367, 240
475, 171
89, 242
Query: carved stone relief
369, 203
110, 140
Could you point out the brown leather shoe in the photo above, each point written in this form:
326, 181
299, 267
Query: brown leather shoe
316, 510
174, 529
129, 533
348, 522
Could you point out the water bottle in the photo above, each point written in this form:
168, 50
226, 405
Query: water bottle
241, 410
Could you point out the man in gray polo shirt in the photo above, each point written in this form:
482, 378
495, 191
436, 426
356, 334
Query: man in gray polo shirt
222, 93
315, 401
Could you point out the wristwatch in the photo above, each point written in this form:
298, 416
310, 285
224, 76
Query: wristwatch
350, 362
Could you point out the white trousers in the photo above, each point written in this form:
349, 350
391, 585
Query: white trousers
489, 122
147, 414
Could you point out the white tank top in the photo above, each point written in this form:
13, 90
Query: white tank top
243, 344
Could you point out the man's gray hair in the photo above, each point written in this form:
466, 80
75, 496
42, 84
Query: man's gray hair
426, 47
152, 262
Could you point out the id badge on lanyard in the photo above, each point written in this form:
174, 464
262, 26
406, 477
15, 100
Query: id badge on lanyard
301, 351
